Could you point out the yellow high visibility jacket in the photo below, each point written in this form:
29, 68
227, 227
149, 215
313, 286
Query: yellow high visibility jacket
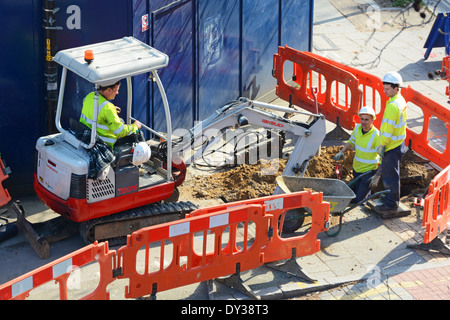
366, 145
393, 126
109, 126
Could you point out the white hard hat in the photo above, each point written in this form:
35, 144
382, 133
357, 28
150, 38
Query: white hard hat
108, 83
393, 77
104, 173
141, 153
367, 110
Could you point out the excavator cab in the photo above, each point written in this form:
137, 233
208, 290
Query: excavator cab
62, 162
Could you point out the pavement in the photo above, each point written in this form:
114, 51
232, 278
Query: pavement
370, 258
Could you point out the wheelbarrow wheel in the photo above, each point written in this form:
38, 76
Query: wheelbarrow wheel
293, 220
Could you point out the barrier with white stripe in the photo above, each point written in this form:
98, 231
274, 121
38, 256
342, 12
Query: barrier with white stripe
436, 211
209, 243
60, 270
276, 206
253, 239
186, 265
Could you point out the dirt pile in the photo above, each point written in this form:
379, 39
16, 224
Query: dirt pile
259, 180
324, 166
243, 182
415, 175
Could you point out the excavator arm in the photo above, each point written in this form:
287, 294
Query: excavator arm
242, 118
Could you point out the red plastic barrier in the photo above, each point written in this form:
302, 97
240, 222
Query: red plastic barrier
419, 142
60, 270
281, 248
220, 262
4, 194
371, 90
266, 246
233, 237
345, 101
370, 86
278, 205
436, 211
446, 73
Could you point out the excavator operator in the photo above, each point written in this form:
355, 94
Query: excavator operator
110, 127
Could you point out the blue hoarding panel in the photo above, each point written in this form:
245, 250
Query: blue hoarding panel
296, 24
21, 82
439, 34
172, 33
260, 42
80, 24
141, 107
84, 22
218, 52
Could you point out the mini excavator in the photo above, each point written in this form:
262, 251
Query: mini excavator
133, 195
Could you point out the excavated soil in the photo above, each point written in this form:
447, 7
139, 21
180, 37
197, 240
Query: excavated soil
240, 183
258, 180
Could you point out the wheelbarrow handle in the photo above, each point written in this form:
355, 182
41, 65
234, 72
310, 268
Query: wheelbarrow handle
357, 178
352, 207
376, 194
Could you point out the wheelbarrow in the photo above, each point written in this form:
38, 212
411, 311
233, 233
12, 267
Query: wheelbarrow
336, 192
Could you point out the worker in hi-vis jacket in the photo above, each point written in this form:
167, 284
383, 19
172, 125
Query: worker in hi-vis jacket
392, 147
109, 126
365, 138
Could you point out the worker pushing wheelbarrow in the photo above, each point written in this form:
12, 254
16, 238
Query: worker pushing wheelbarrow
336, 192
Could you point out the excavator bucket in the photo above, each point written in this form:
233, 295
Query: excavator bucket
338, 133
41, 235
39, 244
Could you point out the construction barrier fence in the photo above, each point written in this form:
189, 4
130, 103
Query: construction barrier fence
436, 210
209, 243
342, 90
4, 194
337, 94
60, 271
445, 73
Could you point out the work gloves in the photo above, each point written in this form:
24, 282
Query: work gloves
373, 181
380, 150
339, 156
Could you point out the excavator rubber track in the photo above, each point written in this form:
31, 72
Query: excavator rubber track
115, 228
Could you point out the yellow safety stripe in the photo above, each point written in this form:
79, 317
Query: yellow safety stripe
366, 157
109, 126
393, 126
